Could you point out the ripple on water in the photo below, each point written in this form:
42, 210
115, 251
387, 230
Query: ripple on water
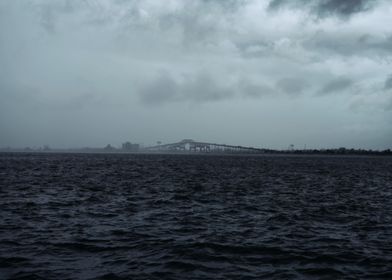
86, 216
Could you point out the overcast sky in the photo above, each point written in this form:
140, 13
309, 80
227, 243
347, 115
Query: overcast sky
265, 73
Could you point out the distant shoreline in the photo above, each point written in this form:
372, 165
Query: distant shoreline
326, 152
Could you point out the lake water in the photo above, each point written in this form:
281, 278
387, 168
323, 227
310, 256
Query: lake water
124, 216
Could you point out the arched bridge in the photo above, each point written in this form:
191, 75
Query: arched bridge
189, 145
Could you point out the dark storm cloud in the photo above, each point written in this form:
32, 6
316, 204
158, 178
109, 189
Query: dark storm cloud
336, 85
71, 64
322, 8
388, 83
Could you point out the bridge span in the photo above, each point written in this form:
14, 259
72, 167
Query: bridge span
189, 145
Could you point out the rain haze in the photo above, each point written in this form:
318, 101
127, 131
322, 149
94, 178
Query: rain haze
195, 139
255, 73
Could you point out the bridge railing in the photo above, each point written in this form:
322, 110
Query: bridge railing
195, 146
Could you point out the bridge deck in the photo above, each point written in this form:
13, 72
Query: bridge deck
197, 146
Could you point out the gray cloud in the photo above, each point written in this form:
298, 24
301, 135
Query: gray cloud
350, 44
388, 83
197, 88
71, 68
255, 48
388, 106
253, 90
336, 85
202, 87
292, 86
163, 89
49, 13
322, 8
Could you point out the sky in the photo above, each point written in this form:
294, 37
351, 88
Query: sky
262, 73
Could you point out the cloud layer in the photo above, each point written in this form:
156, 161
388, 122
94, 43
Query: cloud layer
110, 61
324, 8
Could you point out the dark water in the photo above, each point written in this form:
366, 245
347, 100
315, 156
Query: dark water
70, 216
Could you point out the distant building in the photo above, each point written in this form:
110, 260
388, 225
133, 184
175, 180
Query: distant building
129, 147
109, 148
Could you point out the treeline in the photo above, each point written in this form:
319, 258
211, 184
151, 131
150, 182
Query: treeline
339, 151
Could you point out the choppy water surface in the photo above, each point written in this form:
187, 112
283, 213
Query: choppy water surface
81, 216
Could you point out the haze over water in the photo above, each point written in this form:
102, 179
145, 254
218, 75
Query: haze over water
120, 78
